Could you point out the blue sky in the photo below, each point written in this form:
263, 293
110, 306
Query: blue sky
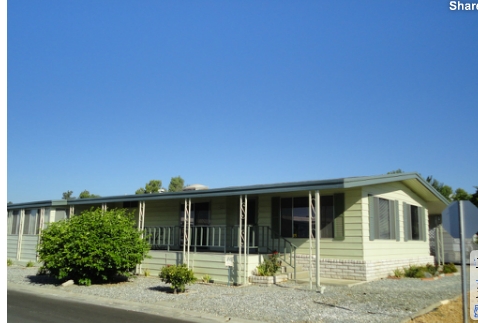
107, 95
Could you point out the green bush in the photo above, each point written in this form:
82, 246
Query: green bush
178, 276
270, 266
414, 271
9, 262
398, 273
30, 264
449, 268
94, 247
432, 269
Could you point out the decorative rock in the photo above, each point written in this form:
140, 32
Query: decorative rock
68, 283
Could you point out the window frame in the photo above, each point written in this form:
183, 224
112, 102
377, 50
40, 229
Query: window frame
414, 216
279, 220
193, 214
375, 215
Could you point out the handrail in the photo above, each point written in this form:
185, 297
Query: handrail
262, 237
286, 249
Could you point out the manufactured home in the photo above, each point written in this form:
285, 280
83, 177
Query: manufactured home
358, 228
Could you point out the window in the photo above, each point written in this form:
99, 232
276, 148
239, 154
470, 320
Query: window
199, 213
31, 221
382, 219
293, 216
61, 214
414, 222
130, 204
13, 221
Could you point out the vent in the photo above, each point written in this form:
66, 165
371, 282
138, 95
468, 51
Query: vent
195, 187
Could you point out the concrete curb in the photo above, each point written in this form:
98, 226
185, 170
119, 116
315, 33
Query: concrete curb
159, 309
428, 309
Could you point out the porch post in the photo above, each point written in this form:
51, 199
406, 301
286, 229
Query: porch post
72, 211
40, 227
104, 207
142, 206
318, 288
439, 244
243, 235
186, 230
311, 236
246, 240
20, 233
141, 216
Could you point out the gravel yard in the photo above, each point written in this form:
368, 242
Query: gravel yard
386, 300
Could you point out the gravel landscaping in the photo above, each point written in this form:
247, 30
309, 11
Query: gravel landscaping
387, 300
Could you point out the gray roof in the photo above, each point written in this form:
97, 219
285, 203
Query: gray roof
413, 180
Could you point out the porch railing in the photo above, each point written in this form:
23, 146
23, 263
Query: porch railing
167, 237
161, 237
261, 238
209, 236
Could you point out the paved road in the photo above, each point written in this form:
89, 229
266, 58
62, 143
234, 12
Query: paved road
31, 308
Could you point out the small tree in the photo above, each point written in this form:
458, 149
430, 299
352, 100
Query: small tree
474, 197
153, 186
176, 184
461, 195
87, 195
93, 247
68, 195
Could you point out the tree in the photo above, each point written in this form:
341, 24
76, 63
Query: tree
94, 247
153, 186
176, 184
474, 197
68, 195
86, 195
461, 195
443, 189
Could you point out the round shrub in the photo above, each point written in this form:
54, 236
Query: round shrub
178, 276
94, 247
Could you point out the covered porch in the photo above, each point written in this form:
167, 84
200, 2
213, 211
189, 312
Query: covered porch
206, 233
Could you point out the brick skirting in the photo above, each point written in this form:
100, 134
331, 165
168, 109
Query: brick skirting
364, 270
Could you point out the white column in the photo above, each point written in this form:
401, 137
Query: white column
41, 223
317, 244
20, 233
246, 240
311, 236
242, 235
186, 231
142, 207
